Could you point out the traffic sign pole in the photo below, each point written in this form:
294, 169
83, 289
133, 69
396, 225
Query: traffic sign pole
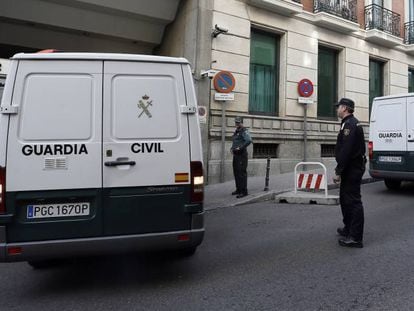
305, 89
223, 141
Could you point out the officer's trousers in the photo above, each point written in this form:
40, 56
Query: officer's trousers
240, 172
351, 204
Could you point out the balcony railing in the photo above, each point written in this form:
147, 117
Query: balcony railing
342, 8
409, 33
377, 17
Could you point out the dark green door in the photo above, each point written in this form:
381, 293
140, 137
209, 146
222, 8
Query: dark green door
263, 91
410, 80
327, 82
376, 80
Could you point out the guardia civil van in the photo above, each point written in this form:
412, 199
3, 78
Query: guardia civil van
99, 153
391, 139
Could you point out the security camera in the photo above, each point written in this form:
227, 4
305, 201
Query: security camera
219, 30
208, 73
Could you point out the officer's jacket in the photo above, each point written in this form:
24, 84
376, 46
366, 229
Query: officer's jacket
241, 139
350, 145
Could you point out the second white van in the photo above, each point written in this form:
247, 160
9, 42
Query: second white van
391, 139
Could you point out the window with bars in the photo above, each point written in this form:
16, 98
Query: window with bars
327, 151
264, 151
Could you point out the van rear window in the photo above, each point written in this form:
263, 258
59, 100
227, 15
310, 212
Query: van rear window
144, 107
56, 107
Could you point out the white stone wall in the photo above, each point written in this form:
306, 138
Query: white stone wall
299, 57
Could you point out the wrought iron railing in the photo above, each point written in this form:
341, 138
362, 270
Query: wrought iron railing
346, 9
377, 17
409, 33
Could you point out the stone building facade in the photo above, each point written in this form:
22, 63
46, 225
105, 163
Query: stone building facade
355, 47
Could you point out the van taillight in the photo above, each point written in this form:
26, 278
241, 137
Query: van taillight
197, 182
2, 190
371, 150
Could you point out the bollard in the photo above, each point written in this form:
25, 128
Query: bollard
267, 175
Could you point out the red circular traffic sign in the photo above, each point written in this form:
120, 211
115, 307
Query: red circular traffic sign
224, 82
305, 88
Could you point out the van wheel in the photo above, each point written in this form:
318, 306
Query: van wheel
392, 184
43, 264
187, 252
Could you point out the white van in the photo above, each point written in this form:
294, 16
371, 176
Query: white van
99, 153
391, 139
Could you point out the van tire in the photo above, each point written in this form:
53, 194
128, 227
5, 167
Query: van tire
43, 264
187, 252
392, 184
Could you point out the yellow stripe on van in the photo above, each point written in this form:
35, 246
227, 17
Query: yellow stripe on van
181, 177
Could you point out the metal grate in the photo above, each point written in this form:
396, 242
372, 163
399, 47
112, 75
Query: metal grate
264, 151
327, 151
56, 164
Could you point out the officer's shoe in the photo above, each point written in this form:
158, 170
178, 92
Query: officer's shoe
235, 192
342, 232
242, 195
350, 242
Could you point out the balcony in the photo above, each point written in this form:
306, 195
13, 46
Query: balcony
283, 7
383, 26
409, 37
409, 33
339, 15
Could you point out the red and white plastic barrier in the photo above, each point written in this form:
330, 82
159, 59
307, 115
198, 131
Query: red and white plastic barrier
311, 181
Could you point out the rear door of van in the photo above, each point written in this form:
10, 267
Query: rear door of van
54, 151
410, 134
146, 148
388, 132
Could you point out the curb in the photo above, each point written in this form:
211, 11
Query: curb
270, 195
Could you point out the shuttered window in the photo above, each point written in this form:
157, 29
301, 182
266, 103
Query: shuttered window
327, 82
263, 78
376, 80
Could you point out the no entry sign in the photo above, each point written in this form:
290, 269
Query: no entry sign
224, 82
305, 88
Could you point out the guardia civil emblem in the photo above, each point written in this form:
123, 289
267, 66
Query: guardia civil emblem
346, 132
144, 104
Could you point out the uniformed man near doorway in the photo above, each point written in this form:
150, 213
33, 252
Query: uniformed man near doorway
351, 160
241, 139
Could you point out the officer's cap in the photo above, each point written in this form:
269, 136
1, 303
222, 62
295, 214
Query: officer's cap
238, 120
346, 102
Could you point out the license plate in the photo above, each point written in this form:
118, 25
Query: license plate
390, 159
57, 210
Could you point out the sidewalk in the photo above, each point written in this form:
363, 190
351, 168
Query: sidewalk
219, 195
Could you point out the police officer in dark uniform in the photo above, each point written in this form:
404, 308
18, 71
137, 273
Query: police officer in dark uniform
351, 160
241, 139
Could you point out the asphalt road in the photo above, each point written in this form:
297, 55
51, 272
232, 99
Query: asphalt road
262, 256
